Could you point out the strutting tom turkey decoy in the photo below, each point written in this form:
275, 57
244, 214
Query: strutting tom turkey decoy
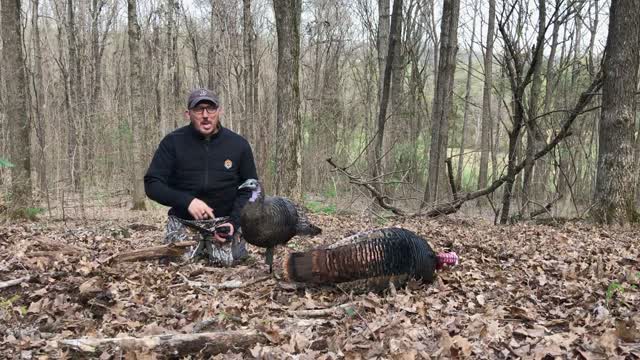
373, 258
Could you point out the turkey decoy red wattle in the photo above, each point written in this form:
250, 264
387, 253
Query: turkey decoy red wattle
267, 221
378, 256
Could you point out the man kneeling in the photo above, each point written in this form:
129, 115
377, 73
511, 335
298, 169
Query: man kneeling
196, 170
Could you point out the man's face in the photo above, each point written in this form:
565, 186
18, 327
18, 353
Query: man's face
205, 117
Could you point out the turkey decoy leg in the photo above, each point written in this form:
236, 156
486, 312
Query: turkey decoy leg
268, 254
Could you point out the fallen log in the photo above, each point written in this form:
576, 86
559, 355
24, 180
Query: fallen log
202, 344
155, 252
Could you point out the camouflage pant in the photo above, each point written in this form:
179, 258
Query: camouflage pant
221, 254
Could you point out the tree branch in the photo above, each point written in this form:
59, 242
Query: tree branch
380, 198
454, 206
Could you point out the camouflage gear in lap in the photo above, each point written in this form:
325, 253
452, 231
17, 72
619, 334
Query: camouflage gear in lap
220, 254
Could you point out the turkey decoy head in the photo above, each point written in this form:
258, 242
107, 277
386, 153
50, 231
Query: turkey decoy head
254, 186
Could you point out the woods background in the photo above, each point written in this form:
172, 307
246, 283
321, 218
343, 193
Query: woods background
517, 94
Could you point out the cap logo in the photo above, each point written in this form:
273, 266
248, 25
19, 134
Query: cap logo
203, 92
228, 164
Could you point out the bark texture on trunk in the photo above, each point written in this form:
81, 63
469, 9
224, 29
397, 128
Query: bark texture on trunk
288, 122
437, 188
615, 181
17, 111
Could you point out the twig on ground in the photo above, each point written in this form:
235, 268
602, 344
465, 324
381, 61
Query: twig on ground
323, 312
195, 284
227, 285
14, 282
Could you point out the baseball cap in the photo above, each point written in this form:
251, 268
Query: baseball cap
199, 95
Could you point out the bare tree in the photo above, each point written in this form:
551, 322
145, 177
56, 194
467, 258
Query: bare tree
248, 50
436, 188
467, 101
17, 109
615, 183
487, 123
173, 60
288, 122
535, 136
137, 117
382, 47
39, 99
519, 80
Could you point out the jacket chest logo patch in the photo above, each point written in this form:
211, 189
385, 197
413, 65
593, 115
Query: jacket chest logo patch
228, 164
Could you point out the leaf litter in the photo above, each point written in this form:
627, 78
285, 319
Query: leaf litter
522, 291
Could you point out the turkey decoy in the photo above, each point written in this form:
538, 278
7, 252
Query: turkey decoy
272, 220
374, 258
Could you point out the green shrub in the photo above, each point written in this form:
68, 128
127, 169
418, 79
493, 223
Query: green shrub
319, 208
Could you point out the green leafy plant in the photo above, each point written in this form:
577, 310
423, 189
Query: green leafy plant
330, 192
381, 221
5, 163
351, 312
614, 288
7, 303
31, 213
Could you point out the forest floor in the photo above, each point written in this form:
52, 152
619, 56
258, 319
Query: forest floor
522, 291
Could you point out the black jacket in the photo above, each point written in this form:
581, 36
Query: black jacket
187, 166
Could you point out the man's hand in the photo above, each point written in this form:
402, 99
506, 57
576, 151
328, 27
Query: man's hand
199, 210
229, 234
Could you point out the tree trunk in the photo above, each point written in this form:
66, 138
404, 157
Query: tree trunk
487, 122
288, 123
173, 62
467, 100
591, 66
248, 124
17, 109
73, 148
535, 138
383, 50
136, 111
436, 188
550, 78
40, 103
615, 182
397, 120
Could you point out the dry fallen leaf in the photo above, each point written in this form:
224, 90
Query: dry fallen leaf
608, 342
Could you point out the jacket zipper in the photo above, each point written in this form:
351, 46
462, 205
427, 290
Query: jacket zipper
206, 165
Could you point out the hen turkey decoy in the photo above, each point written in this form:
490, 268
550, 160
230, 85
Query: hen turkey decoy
272, 220
372, 258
